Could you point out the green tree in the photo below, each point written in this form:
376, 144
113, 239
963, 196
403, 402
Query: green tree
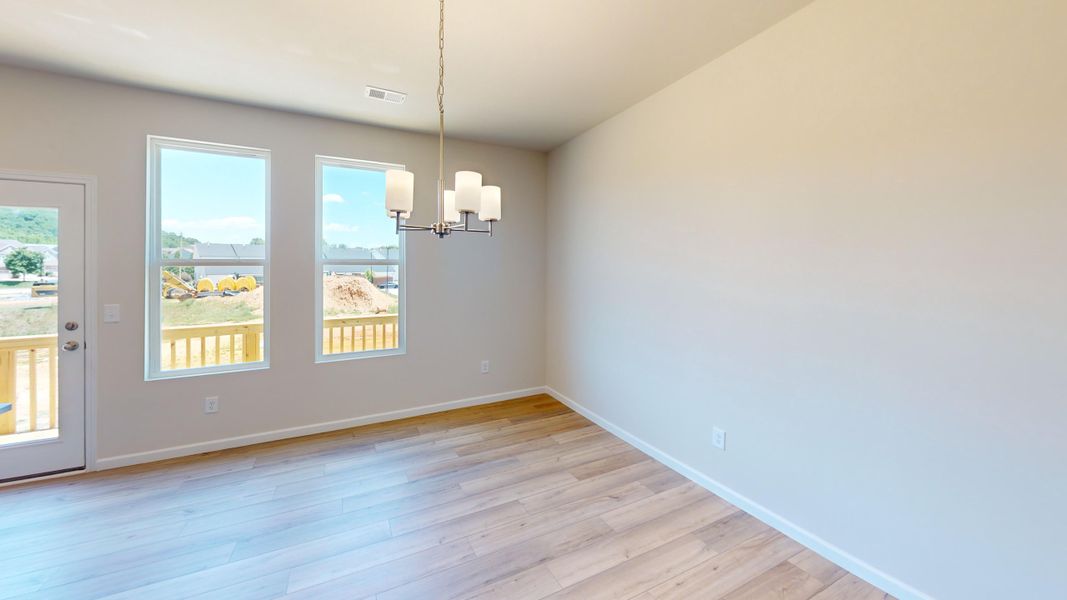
22, 261
257, 241
177, 240
29, 225
184, 273
369, 274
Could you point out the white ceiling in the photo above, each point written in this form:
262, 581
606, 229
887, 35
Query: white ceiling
528, 73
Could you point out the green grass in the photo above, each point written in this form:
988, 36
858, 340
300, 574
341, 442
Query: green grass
198, 312
16, 284
27, 320
39, 320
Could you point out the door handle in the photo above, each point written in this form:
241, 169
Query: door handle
71, 345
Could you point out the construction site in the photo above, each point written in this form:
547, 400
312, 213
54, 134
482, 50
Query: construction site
238, 299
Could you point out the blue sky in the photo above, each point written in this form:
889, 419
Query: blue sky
219, 198
353, 208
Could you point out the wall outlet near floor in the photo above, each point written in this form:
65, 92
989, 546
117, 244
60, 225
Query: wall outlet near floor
718, 438
211, 405
485, 367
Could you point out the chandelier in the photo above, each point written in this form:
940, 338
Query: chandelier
454, 207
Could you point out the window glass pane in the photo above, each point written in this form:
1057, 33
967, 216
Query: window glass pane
211, 316
360, 307
353, 214
29, 353
210, 201
361, 301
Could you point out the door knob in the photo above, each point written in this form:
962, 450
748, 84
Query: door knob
71, 325
71, 345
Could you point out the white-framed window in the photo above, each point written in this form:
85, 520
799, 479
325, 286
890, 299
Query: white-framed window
208, 258
359, 263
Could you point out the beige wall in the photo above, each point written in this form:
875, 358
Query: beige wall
483, 296
845, 243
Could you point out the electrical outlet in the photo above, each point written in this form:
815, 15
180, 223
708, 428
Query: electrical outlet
485, 367
718, 438
211, 405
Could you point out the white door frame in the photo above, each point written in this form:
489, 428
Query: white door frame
88, 183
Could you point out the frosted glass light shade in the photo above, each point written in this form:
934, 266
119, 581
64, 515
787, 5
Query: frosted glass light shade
451, 214
468, 191
399, 191
490, 210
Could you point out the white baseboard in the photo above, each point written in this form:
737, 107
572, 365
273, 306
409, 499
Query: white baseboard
854, 565
125, 460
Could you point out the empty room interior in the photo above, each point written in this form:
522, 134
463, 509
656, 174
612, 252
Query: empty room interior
522, 300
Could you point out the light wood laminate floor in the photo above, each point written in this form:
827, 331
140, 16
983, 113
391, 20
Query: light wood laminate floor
516, 500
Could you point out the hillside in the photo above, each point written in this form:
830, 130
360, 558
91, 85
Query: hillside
29, 225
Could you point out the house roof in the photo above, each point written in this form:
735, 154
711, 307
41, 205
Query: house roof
361, 253
236, 251
43, 248
46, 249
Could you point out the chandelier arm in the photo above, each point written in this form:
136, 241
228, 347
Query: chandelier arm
487, 231
466, 227
406, 227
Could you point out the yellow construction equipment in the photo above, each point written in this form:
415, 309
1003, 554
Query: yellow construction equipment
175, 288
227, 284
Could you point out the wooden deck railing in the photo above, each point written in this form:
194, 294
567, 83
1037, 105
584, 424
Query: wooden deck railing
356, 334
191, 346
28, 364
28, 378
194, 346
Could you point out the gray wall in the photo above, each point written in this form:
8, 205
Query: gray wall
483, 296
845, 242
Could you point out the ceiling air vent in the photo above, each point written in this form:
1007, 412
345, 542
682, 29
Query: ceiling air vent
385, 95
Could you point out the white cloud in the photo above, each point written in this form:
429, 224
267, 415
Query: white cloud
342, 228
221, 223
336, 198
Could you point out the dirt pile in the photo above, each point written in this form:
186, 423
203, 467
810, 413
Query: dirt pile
253, 301
353, 294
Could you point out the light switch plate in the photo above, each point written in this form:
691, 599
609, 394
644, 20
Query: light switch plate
111, 313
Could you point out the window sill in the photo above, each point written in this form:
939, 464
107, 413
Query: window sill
346, 356
199, 372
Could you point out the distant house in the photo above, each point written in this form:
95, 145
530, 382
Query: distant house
183, 253
382, 273
49, 251
227, 251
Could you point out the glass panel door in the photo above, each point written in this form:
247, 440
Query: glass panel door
42, 332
